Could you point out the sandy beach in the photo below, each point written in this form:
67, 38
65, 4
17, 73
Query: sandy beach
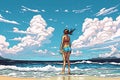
60, 78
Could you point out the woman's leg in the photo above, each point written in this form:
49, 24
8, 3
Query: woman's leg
68, 61
64, 62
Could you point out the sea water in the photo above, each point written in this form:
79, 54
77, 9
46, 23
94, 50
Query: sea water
48, 69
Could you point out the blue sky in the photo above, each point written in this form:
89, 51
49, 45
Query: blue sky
32, 30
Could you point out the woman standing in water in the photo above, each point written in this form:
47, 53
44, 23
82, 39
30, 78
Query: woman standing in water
65, 49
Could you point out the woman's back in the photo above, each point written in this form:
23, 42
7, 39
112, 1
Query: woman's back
66, 40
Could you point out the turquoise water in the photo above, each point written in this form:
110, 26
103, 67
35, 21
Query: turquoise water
48, 69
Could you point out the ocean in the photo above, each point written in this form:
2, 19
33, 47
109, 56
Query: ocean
38, 69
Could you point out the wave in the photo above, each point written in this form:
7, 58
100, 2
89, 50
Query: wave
46, 68
74, 67
114, 63
50, 70
90, 62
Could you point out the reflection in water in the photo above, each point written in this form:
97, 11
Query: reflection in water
67, 78
71, 78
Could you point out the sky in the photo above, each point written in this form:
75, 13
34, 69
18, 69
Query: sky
32, 30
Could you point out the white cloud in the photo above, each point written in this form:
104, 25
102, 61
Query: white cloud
2, 19
97, 31
41, 35
100, 48
52, 53
17, 39
66, 10
3, 43
54, 47
16, 30
7, 11
43, 10
28, 9
45, 51
1, 16
81, 10
76, 53
57, 10
105, 11
114, 53
51, 19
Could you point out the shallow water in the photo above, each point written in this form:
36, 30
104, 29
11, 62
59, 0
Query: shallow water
48, 69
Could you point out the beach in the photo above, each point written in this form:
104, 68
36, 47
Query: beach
62, 78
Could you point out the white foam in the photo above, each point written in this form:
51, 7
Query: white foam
12, 74
114, 63
102, 75
90, 62
46, 68
75, 68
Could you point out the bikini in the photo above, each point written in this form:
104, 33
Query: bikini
67, 48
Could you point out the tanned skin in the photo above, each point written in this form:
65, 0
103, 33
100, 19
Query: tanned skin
65, 55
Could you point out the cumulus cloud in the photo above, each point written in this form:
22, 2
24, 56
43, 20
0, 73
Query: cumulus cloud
97, 31
3, 43
4, 46
2, 19
114, 53
28, 9
16, 30
41, 35
100, 48
105, 11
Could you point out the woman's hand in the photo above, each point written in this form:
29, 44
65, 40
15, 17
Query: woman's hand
61, 50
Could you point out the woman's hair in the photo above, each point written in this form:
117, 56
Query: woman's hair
67, 31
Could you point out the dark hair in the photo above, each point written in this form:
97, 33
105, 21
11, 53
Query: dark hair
66, 31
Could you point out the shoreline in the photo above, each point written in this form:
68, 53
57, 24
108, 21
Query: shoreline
71, 77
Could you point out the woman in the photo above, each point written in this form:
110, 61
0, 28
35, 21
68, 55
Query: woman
65, 49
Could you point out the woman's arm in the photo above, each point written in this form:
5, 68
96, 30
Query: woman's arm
61, 46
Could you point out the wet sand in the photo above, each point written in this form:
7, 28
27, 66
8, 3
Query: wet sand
61, 78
